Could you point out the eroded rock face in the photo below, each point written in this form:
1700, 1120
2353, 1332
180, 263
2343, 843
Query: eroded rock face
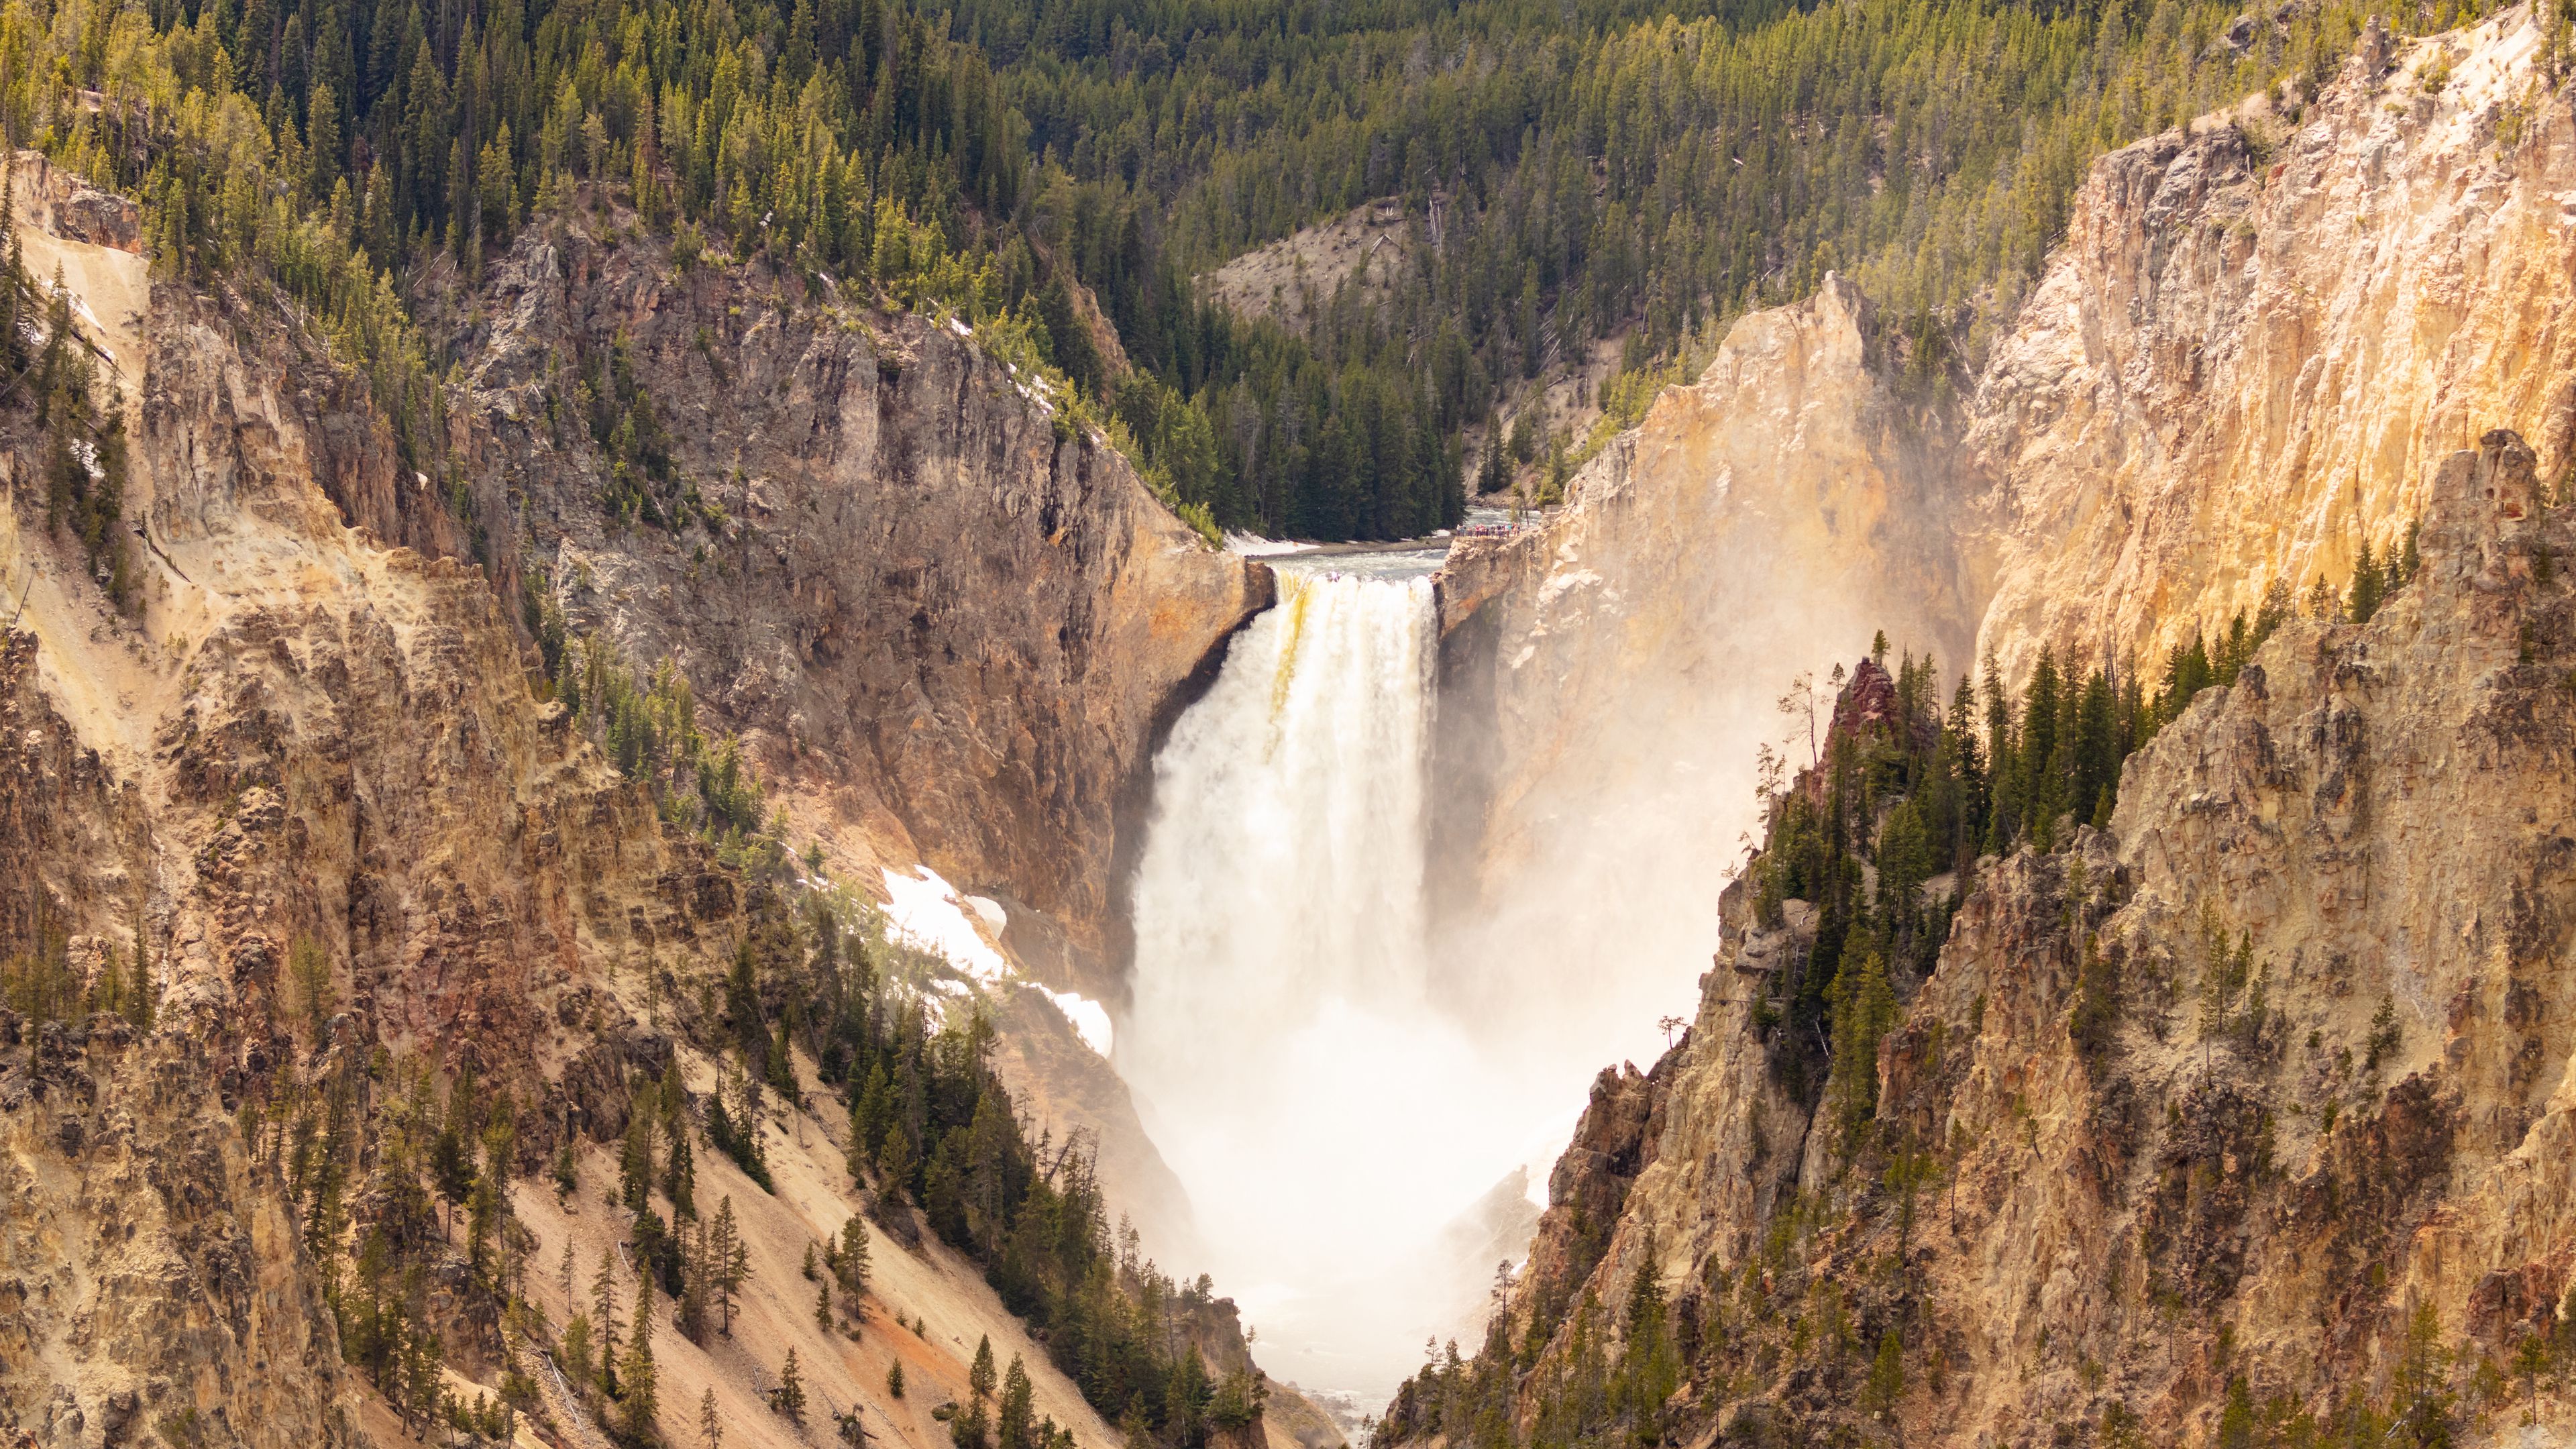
47, 196
343, 744
948, 632
2139, 1213
1606, 677
302, 735
2258, 341
153, 1285
306, 734
949, 626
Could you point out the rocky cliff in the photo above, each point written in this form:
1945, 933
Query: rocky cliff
296, 738
300, 819
2111, 1203
2263, 332
2244, 1119
948, 622
1605, 675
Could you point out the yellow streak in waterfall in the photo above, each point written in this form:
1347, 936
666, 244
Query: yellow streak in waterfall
1301, 597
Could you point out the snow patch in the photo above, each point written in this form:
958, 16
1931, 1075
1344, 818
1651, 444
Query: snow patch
1089, 1018
925, 912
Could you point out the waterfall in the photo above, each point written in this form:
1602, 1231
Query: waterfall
1327, 1112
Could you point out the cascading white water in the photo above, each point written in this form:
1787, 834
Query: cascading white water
1326, 1112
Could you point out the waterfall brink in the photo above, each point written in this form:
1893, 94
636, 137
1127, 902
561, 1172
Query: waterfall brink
1327, 1114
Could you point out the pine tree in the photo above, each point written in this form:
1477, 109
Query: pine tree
2321, 599
691, 1313
2368, 586
603, 1295
679, 1174
789, 1397
1864, 1006
635, 1160
310, 969
637, 1404
727, 1260
971, 1428
979, 1377
894, 1379
853, 1262
1886, 1383
578, 1359
710, 1424
2044, 774
147, 986
897, 1164
1014, 1421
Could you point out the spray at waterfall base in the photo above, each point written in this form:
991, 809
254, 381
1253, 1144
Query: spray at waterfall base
1341, 1108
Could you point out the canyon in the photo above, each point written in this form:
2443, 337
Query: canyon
2272, 343
975, 663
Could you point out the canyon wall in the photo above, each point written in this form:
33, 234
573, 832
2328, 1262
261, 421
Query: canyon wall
1607, 674
948, 623
305, 740
2260, 336
296, 735
2139, 1209
2094, 1205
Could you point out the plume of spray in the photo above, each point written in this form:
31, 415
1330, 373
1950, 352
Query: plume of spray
1388, 932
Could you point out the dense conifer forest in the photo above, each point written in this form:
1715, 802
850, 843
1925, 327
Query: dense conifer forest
1568, 173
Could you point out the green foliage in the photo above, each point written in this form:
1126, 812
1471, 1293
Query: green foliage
1885, 1386
933, 1123
2386, 1036
2231, 986
647, 724
2422, 1405
1650, 1366
1864, 1010
40, 983
79, 417
2096, 1018
1573, 173
733, 1124
2369, 586
623, 423
639, 1397
308, 972
788, 1397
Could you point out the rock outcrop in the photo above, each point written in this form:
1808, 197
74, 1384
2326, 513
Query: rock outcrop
948, 623
299, 738
2096, 1206
2263, 332
157, 1284
1606, 674
309, 777
2141, 1213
